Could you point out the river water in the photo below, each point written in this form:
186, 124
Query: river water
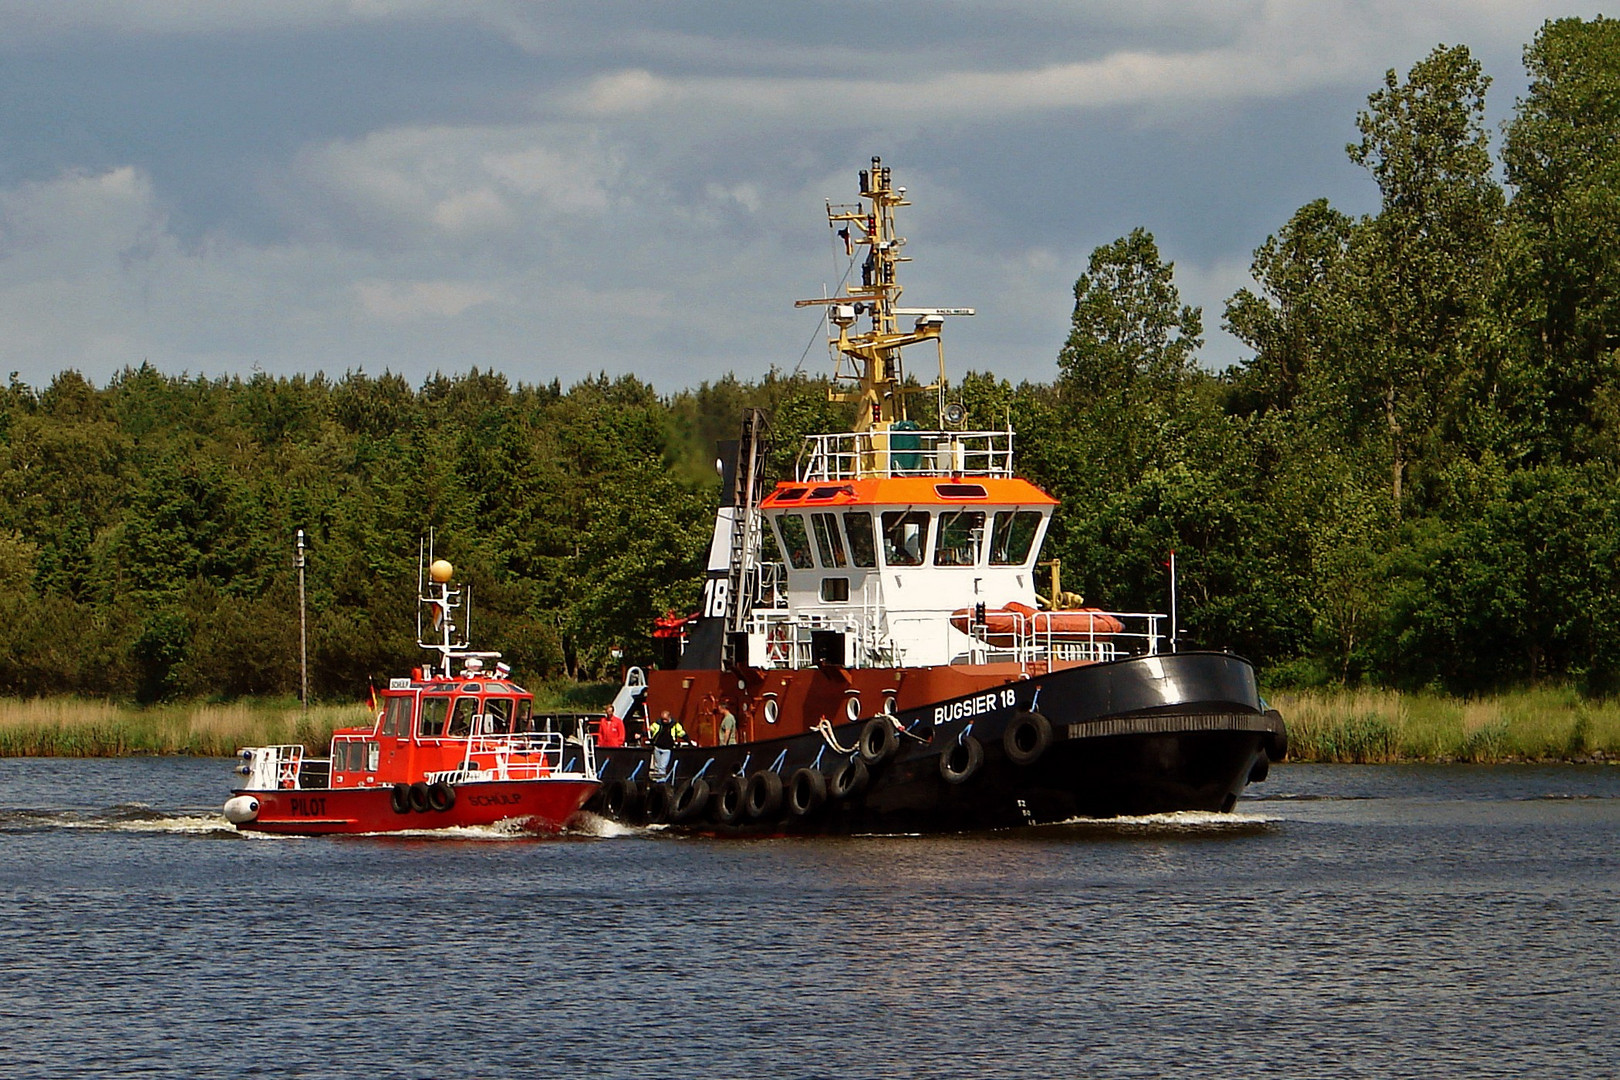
1350, 921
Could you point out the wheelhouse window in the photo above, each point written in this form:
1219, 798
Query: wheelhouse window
834, 590
905, 535
497, 716
960, 532
1012, 535
461, 721
862, 547
795, 541
434, 710
829, 541
523, 718
397, 715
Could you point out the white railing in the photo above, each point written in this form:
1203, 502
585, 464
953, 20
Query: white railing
529, 756
853, 455
1039, 640
268, 767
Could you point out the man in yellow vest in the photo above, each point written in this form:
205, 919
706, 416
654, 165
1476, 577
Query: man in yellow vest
665, 734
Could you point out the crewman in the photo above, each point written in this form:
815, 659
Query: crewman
610, 731
666, 734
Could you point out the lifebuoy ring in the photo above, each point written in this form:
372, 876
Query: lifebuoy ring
690, 800
419, 797
401, 798
878, 741
656, 802
764, 796
441, 796
732, 802
806, 791
1027, 738
849, 780
961, 760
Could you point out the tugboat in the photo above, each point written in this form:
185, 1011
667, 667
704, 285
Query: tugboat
457, 743
872, 653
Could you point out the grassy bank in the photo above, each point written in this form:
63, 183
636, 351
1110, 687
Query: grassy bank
75, 727
1547, 724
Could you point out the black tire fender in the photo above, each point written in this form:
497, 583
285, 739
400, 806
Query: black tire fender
961, 760
401, 799
850, 779
1027, 738
1277, 741
691, 800
1260, 769
878, 741
419, 797
620, 798
731, 804
656, 803
806, 791
441, 796
764, 794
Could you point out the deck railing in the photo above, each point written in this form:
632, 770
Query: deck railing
855, 455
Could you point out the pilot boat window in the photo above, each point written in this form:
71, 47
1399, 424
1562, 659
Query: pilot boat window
905, 534
862, 547
396, 715
461, 721
959, 535
795, 541
1012, 536
829, 541
834, 590
523, 719
497, 716
433, 713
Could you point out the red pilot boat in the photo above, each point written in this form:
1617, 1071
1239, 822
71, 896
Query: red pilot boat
872, 653
457, 744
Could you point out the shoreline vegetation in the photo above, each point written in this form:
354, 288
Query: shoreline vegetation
1360, 726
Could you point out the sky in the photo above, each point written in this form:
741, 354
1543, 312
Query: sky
557, 189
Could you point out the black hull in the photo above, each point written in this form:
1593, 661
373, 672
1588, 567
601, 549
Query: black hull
1145, 735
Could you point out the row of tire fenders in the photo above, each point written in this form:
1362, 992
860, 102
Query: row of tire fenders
761, 796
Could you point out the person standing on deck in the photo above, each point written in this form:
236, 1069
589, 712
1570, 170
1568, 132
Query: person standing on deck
666, 734
610, 732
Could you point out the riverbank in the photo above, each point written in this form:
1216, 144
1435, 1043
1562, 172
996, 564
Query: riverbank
1386, 726
1363, 726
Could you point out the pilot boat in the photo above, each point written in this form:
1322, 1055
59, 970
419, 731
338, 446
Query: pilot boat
873, 652
456, 744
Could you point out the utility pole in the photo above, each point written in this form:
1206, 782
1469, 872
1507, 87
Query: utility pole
303, 633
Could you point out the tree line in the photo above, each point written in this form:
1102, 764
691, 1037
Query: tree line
1412, 481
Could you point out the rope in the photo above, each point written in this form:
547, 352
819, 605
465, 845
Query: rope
825, 730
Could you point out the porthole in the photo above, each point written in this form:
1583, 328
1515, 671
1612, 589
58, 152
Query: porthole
852, 706
772, 710
888, 704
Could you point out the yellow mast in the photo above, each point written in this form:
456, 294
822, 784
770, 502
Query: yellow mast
874, 354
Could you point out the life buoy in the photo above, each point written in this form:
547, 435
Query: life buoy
764, 796
849, 780
419, 797
1027, 738
732, 802
690, 800
961, 760
806, 790
878, 741
620, 798
401, 798
441, 796
656, 802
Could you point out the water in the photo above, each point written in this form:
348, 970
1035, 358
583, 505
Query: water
1351, 921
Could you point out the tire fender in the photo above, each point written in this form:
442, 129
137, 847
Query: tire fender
1027, 738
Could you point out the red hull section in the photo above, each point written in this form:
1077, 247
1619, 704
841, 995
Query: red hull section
537, 805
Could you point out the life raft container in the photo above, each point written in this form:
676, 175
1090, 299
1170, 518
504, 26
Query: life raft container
1003, 625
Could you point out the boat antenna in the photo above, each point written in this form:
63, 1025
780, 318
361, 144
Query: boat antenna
303, 626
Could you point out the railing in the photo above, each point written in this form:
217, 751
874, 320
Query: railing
854, 455
1037, 641
530, 756
269, 767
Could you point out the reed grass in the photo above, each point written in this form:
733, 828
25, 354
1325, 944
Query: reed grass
1543, 724
76, 727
